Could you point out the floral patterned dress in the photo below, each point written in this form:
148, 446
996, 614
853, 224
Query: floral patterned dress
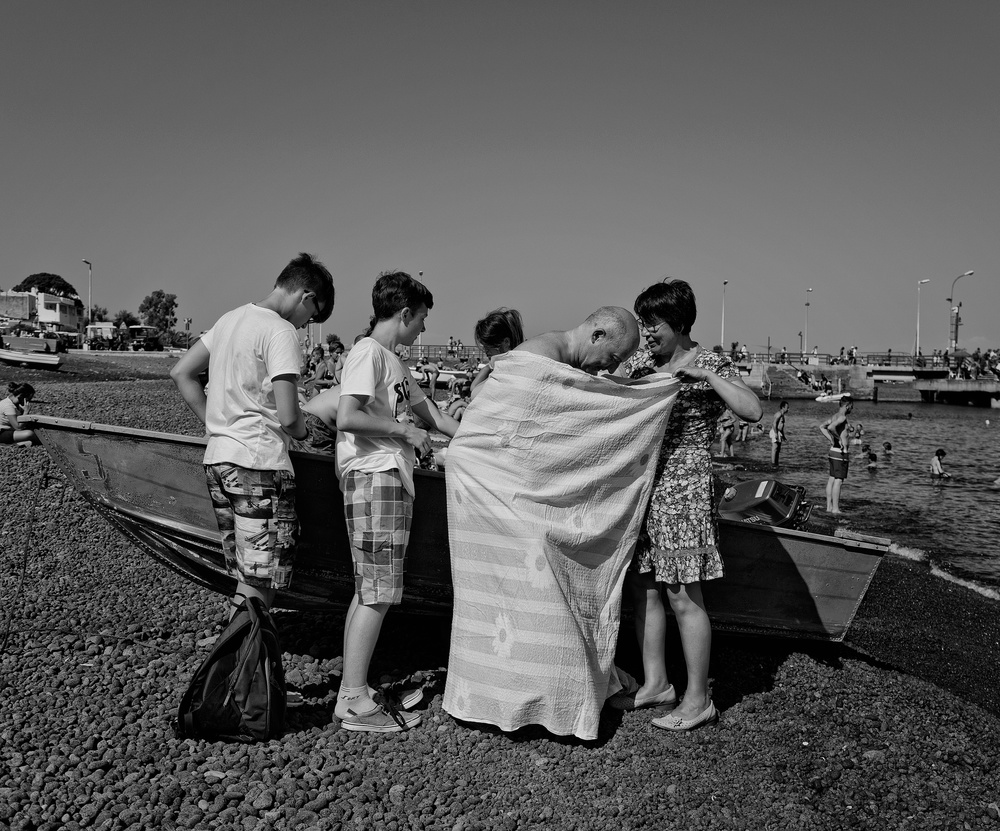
680, 534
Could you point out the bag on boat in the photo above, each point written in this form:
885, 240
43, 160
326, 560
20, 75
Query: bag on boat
238, 692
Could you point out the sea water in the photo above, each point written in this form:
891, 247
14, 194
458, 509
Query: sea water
952, 523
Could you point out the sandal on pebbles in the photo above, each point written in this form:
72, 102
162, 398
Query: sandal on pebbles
679, 725
628, 701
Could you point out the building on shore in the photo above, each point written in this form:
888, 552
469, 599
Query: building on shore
47, 312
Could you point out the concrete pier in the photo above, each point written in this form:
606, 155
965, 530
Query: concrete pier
978, 393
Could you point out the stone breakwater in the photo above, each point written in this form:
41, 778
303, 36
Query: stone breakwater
897, 729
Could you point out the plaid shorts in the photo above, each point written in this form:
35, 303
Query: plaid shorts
255, 510
378, 511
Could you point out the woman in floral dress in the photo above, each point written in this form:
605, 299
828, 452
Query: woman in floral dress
678, 544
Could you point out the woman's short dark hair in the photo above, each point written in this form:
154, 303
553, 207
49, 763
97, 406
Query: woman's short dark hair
16, 390
499, 325
307, 273
395, 291
671, 301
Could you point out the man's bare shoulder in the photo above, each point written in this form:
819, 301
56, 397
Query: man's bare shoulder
548, 345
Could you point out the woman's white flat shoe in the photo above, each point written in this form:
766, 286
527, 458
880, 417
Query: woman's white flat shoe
679, 725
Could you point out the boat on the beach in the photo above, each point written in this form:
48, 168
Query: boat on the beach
831, 396
151, 487
31, 360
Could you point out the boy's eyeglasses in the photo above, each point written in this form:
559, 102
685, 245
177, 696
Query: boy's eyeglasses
317, 311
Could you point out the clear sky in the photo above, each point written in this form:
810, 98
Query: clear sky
551, 156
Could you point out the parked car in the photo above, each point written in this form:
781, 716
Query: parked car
144, 339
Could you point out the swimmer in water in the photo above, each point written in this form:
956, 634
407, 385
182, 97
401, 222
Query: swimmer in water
938, 472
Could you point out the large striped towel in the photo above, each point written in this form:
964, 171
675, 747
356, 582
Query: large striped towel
547, 482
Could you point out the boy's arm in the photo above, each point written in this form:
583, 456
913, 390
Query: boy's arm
185, 376
824, 428
286, 399
352, 418
432, 415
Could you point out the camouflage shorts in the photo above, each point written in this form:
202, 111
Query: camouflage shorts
255, 510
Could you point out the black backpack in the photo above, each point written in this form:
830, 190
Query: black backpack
238, 692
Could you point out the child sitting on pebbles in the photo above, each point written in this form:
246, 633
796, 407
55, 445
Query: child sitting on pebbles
12, 409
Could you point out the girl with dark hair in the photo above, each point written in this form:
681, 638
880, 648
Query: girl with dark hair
497, 333
12, 409
678, 545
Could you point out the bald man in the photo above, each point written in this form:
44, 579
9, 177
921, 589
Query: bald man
602, 342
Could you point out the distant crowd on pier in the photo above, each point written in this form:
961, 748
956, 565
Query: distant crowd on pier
959, 362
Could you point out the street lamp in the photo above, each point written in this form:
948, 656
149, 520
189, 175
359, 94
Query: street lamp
722, 334
958, 309
420, 337
90, 291
187, 330
916, 344
806, 330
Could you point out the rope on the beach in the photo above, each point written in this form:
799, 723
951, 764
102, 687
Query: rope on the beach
18, 592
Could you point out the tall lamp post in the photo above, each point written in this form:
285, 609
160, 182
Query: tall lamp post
420, 337
187, 331
916, 343
957, 310
90, 291
805, 349
722, 334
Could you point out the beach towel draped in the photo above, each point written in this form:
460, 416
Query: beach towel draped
547, 482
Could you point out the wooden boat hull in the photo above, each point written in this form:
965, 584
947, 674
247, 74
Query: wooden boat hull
151, 487
32, 360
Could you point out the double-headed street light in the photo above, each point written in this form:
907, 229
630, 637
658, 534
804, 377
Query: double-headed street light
805, 348
957, 309
916, 343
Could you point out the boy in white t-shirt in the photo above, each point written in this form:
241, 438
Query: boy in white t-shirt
377, 442
250, 412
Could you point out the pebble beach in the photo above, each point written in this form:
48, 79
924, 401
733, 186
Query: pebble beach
898, 727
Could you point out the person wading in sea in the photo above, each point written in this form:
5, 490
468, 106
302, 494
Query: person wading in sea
835, 429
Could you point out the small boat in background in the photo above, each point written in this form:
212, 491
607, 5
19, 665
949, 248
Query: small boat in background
444, 375
31, 360
831, 396
151, 487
